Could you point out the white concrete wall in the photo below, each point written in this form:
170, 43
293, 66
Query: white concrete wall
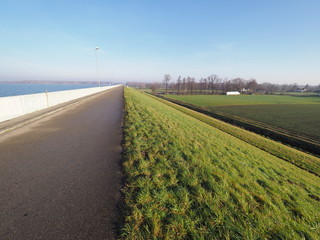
15, 106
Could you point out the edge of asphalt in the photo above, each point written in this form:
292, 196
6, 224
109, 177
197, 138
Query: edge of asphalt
23, 120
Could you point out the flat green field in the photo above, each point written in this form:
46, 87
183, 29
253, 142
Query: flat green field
298, 114
300, 93
302, 118
188, 180
222, 100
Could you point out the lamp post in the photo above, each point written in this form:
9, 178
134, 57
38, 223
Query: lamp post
96, 50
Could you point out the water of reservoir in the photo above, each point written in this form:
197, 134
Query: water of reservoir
8, 89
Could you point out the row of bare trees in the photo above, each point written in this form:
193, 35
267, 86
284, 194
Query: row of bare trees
213, 84
210, 85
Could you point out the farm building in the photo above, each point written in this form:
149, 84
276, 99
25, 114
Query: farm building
233, 93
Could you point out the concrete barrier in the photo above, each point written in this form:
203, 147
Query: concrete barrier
15, 106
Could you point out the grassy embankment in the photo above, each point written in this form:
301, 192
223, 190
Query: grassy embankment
302, 116
188, 180
298, 158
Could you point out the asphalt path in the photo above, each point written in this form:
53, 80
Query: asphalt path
60, 177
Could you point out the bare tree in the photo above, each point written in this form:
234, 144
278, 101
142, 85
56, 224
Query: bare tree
237, 84
184, 85
179, 83
154, 86
212, 80
166, 80
270, 88
215, 85
252, 85
192, 85
200, 86
205, 85
188, 85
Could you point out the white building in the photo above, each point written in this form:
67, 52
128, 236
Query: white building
233, 93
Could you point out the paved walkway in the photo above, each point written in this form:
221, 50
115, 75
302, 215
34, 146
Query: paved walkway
60, 176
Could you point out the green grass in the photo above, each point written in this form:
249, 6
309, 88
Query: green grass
300, 93
189, 180
300, 118
222, 100
297, 114
298, 158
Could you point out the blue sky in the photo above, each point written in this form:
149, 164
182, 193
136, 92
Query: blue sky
274, 41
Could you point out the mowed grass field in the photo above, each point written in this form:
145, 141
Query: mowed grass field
302, 118
298, 114
188, 180
223, 100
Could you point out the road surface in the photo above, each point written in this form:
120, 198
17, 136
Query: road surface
60, 177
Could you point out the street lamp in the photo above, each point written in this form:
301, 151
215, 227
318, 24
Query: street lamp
96, 50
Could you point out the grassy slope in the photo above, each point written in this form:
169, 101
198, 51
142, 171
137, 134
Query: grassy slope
297, 114
222, 100
299, 118
298, 158
188, 180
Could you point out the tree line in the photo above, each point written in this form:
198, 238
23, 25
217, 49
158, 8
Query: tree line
213, 84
